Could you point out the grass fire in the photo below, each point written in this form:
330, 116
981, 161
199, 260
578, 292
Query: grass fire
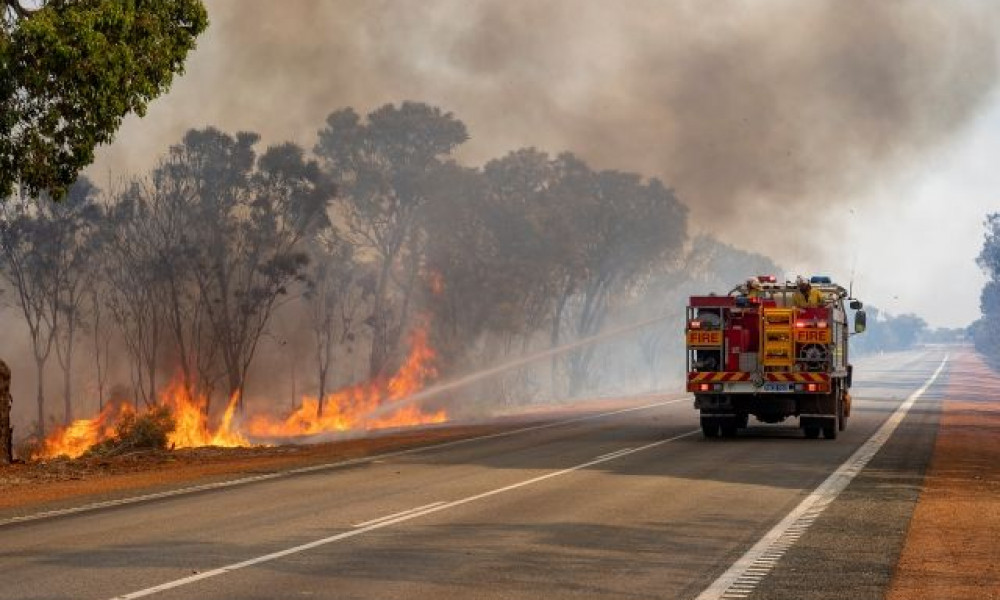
182, 419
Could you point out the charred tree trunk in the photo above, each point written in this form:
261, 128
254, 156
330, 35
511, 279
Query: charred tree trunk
68, 375
40, 370
6, 432
380, 328
321, 398
554, 337
324, 353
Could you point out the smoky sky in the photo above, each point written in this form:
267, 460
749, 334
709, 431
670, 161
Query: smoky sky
751, 111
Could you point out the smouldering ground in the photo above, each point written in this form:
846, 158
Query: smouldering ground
952, 549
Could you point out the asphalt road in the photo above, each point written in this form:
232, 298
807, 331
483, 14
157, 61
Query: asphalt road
628, 505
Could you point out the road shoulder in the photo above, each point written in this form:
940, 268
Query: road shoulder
951, 550
852, 548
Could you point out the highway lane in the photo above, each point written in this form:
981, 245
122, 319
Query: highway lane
549, 512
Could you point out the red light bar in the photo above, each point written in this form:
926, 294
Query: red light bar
801, 324
767, 279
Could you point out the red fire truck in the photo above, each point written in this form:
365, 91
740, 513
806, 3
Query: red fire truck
755, 353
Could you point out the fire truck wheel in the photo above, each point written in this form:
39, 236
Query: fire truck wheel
709, 427
729, 428
811, 431
830, 429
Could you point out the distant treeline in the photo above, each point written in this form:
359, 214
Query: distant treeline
889, 333
224, 253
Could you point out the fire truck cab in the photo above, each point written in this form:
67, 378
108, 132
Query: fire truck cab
756, 354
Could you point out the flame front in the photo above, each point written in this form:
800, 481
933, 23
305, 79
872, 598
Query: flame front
192, 429
191, 426
74, 439
355, 407
360, 407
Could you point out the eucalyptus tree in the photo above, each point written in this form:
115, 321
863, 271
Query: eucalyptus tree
46, 249
383, 167
249, 220
334, 297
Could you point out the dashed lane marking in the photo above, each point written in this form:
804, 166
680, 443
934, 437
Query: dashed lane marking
388, 522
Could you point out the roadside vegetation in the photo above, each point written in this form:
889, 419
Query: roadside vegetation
986, 331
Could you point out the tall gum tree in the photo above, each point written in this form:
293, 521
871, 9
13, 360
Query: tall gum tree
383, 169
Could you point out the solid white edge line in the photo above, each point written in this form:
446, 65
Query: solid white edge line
398, 514
386, 523
765, 551
313, 468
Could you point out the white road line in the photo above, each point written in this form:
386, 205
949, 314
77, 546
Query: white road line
313, 468
614, 454
769, 549
399, 514
386, 523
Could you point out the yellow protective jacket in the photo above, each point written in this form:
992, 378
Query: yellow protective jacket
815, 299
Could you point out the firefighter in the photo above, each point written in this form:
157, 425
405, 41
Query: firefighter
806, 296
754, 289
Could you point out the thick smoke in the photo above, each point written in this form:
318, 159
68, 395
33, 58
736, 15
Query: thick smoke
741, 106
756, 112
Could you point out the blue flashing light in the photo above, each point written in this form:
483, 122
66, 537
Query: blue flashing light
821, 279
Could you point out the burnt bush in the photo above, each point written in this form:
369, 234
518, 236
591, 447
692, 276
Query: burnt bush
147, 431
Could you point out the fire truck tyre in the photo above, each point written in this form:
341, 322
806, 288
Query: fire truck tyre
811, 431
729, 427
830, 429
742, 420
709, 427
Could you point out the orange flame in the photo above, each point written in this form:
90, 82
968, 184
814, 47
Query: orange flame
192, 430
74, 439
350, 408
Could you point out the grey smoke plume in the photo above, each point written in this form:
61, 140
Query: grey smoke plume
739, 105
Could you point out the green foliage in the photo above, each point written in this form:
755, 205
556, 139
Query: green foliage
72, 70
148, 431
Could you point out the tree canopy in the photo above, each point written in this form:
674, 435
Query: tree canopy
71, 70
986, 330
